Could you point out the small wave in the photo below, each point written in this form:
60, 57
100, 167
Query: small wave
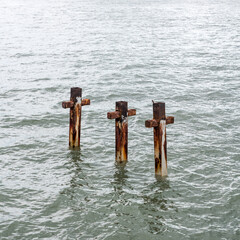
41, 79
133, 66
20, 55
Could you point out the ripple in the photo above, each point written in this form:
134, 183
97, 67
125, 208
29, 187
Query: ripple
183, 53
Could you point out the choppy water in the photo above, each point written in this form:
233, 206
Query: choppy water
185, 53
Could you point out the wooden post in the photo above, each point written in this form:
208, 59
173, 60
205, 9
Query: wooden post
159, 123
75, 104
121, 129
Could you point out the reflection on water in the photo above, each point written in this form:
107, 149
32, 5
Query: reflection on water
154, 195
120, 178
74, 155
155, 205
77, 179
161, 179
76, 162
120, 175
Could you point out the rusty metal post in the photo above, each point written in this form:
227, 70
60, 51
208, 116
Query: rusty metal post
121, 129
159, 123
75, 104
121, 132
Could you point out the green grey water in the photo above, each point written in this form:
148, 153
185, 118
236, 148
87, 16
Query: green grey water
185, 53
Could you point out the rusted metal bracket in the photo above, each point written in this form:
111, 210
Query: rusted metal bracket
159, 123
121, 129
75, 104
155, 123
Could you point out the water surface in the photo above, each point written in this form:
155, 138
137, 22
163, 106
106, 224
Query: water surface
185, 53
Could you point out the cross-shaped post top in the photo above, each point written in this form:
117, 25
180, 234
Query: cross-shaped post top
158, 115
76, 97
121, 111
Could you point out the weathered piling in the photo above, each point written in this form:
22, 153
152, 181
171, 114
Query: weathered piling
75, 104
121, 129
159, 123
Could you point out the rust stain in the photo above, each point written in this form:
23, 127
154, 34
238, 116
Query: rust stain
157, 149
131, 112
75, 125
165, 146
170, 120
121, 130
159, 123
124, 144
158, 166
151, 123
75, 104
121, 140
113, 115
85, 102
68, 104
118, 140
159, 110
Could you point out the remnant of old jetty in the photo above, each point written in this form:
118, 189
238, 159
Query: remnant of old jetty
121, 115
159, 123
75, 104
